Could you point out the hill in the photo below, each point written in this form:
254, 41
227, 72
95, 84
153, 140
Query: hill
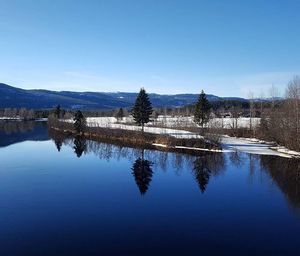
14, 97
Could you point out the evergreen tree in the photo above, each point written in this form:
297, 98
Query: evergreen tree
202, 110
142, 109
79, 122
120, 114
57, 112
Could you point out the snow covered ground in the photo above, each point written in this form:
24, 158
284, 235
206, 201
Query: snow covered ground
225, 123
230, 144
110, 122
229, 123
183, 121
254, 146
11, 118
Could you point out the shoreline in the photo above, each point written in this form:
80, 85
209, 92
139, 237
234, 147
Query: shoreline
257, 146
18, 119
173, 139
138, 139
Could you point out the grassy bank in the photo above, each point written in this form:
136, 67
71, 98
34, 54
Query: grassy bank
132, 138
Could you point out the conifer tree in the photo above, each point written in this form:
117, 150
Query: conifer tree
79, 122
120, 114
202, 110
57, 112
142, 109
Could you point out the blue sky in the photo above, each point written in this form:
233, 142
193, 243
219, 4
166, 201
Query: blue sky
168, 46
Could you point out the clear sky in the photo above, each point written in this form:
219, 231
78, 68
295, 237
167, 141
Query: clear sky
168, 46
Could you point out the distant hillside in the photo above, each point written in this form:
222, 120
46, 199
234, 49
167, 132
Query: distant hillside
45, 99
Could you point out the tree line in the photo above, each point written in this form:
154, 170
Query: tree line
23, 113
281, 123
141, 112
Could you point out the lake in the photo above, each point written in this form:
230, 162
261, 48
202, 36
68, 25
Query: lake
70, 196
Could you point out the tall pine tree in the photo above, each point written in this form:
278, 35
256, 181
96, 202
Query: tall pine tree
202, 110
142, 109
120, 114
79, 122
57, 112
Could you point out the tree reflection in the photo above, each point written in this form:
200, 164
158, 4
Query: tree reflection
11, 127
58, 139
58, 144
202, 173
286, 174
142, 172
12, 132
206, 166
236, 158
79, 145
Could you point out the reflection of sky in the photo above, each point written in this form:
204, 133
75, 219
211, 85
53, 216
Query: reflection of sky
93, 202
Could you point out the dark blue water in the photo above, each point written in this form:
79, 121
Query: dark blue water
75, 197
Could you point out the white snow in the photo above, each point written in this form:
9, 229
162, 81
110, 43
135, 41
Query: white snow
182, 121
286, 151
202, 149
191, 148
229, 123
225, 123
10, 118
230, 144
252, 146
110, 122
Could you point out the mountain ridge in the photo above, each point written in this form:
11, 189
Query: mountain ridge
44, 99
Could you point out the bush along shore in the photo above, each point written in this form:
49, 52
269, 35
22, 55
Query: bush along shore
133, 138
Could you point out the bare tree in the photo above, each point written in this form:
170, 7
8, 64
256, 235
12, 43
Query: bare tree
251, 107
273, 94
293, 99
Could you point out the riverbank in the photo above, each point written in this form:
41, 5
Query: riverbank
107, 130
169, 139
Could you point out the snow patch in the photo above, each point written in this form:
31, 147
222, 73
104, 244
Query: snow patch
252, 146
111, 122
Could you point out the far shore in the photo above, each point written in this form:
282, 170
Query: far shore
22, 119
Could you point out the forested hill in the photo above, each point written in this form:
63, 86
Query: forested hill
13, 97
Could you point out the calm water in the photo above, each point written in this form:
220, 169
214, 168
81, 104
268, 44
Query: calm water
75, 197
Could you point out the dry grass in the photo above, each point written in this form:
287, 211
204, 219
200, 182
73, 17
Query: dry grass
132, 138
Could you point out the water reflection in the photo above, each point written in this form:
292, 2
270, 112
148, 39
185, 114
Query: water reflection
286, 174
107, 209
237, 158
58, 144
205, 166
12, 132
79, 145
202, 174
142, 173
